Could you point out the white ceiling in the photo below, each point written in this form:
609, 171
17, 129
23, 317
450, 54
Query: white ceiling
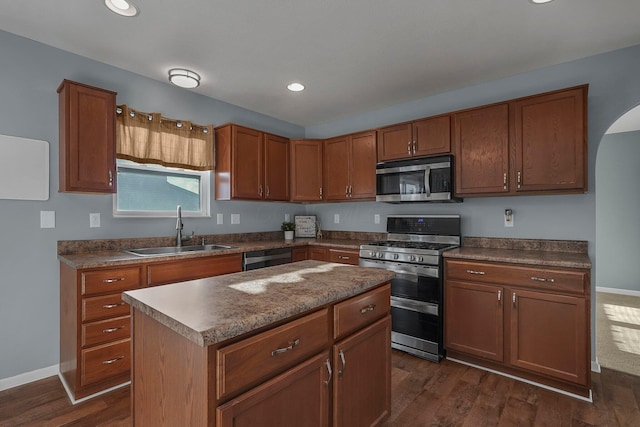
353, 55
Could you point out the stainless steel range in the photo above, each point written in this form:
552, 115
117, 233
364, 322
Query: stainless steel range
413, 250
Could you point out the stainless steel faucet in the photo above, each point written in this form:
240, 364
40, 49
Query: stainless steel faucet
179, 227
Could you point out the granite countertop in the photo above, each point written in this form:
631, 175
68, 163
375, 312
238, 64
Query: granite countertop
215, 309
548, 253
106, 258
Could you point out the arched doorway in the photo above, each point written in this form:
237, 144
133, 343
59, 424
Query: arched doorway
618, 246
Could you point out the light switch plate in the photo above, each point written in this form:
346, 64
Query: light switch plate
47, 219
376, 219
336, 218
235, 218
287, 217
220, 218
94, 220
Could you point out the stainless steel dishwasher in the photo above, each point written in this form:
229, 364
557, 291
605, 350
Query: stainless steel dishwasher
265, 258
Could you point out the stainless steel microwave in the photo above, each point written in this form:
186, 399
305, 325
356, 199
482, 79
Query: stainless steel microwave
425, 179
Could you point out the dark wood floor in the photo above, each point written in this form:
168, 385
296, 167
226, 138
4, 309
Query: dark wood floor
424, 394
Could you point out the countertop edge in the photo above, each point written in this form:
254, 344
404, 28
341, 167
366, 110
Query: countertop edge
525, 257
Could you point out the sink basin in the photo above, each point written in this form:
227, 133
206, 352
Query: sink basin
167, 250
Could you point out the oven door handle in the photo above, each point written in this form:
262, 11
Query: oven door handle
413, 305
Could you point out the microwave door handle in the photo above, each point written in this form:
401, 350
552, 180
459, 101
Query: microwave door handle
427, 178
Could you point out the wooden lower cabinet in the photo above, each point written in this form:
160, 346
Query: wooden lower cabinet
300, 373
532, 322
334, 254
299, 254
318, 253
95, 324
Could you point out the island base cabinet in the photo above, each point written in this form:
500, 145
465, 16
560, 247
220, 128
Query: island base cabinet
297, 398
362, 377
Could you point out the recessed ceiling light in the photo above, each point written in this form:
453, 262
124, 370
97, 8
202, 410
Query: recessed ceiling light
184, 78
122, 7
295, 87
540, 1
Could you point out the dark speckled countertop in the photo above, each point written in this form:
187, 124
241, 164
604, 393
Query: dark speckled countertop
215, 309
550, 253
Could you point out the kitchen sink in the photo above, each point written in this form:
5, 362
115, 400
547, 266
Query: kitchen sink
167, 250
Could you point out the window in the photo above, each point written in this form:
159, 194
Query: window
146, 190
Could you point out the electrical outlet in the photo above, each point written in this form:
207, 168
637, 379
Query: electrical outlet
235, 218
94, 220
509, 218
220, 218
376, 219
47, 219
336, 218
287, 217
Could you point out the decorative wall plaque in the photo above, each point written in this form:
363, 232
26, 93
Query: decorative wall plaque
305, 225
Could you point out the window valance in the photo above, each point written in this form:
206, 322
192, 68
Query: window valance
151, 138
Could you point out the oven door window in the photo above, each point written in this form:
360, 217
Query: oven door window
416, 287
415, 324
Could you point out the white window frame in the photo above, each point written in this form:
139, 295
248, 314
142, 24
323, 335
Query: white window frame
205, 194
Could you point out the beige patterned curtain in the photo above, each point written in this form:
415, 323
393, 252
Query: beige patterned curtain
151, 138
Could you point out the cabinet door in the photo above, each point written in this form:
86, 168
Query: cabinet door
362, 168
549, 335
474, 319
87, 139
306, 170
299, 254
247, 164
550, 141
481, 147
432, 136
276, 168
394, 142
297, 398
318, 253
362, 377
336, 168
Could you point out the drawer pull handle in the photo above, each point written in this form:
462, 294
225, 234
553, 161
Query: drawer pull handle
112, 330
367, 309
117, 279
110, 306
114, 360
342, 257
328, 363
344, 363
481, 273
542, 279
285, 349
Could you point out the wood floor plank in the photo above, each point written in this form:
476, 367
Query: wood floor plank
517, 413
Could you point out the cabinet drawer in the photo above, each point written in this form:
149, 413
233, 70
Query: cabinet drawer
257, 358
344, 256
105, 361
106, 330
104, 281
553, 279
361, 310
103, 307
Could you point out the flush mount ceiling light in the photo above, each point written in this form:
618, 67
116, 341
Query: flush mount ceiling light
184, 78
122, 7
295, 87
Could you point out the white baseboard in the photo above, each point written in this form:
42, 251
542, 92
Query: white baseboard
76, 401
27, 377
595, 366
618, 291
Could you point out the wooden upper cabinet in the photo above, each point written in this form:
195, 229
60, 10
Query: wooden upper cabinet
87, 138
424, 137
251, 165
336, 168
276, 167
306, 170
549, 140
481, 149
350, 167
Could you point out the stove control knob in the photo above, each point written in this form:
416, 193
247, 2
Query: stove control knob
395, 256
380, 255
372, 254
412, 258
421, 259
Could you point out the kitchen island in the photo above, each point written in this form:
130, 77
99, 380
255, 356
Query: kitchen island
298, 344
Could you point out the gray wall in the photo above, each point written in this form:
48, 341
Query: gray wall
617, 208
31, 72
